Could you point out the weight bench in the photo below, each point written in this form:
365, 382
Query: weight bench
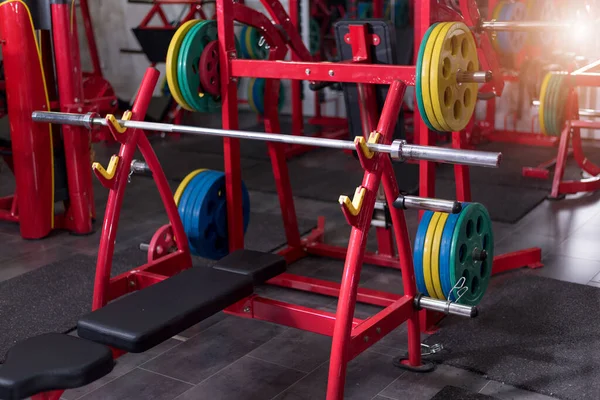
134, 323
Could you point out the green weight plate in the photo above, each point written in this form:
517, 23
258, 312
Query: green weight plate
473, 231
315, 37
418, 90
258, 95
555, 105
556, 100
563, 96
255, 44
549, 111
187, 67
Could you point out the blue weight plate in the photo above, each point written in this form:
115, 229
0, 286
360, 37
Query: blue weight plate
242, 42
204, 235
418, 252
191, 214
186, 206
445, 246
245, 206
258, 94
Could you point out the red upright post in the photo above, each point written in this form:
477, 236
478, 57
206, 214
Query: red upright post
77, 140
229, 113
115, 196
32, 154
89, 33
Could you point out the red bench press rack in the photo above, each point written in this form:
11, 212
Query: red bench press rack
571, 133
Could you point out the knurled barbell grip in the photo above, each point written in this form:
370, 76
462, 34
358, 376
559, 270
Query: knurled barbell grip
426, 203
85, 120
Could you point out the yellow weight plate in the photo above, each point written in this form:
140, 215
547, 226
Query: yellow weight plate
425, 77
543, 102
435, 256
427, 254
453, 102
184, 183
433, 73
172, 60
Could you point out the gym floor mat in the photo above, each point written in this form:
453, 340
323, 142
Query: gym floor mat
532, 332
504, 203
457, 393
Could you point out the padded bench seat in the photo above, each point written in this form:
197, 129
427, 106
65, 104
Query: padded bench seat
141, 320
52, 361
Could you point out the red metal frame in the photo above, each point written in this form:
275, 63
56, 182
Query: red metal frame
29, 85
571, 133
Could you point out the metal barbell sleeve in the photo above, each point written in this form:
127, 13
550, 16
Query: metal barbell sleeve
444, 306
473, 77
140, 167
398, 150
427, 203
402, 151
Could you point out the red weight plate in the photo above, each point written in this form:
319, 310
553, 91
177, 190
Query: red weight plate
209, 69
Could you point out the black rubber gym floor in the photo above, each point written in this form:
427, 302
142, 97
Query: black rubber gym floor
226, 357
537, 333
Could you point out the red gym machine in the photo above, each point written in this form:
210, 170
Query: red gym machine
49, 165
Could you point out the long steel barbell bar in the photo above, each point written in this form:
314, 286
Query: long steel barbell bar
531, 26
398, 150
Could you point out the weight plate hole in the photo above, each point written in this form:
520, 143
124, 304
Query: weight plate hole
455, 45
470, 228
208, 66
466, 275
457, 109
479, 224
464, 48
474, 286
467, 97
447, 97
446, 67
462, 253
471, 66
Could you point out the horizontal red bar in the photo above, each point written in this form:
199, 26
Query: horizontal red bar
293, 315
585, 124
584, 185
328, 288
587, 79
531, 258
7, 216
327, 250
324, 72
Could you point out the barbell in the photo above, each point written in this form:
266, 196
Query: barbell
399, 150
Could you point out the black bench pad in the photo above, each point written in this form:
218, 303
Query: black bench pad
52, 361
258, 265
143, 319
